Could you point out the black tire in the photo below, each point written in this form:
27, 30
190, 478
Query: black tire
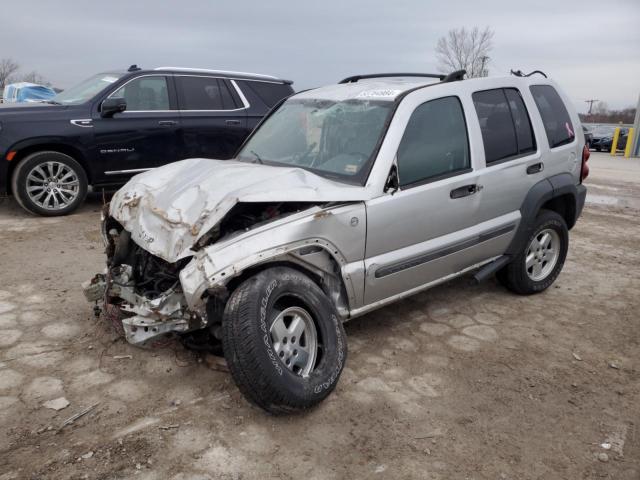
260, 374
19, 182
515, 276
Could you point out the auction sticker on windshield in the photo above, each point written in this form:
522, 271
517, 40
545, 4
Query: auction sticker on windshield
380, 93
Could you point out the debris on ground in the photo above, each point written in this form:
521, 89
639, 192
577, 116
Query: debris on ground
168, 427
603, 457
75, 417
577, 357
614, 365
56, 403
122, 357
87, 455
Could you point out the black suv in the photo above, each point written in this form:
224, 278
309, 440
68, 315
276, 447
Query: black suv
116, 124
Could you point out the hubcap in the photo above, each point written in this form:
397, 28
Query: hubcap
295, 340
542, 254
53, 185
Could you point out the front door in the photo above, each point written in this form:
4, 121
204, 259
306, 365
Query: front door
142, 137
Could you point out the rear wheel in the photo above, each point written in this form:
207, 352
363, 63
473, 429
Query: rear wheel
49, 183
283, 341
539, 263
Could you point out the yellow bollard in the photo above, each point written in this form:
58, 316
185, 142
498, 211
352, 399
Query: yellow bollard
614, 141
627, 149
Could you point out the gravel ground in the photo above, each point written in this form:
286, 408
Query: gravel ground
460, 382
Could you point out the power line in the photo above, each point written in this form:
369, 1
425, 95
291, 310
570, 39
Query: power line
591, 102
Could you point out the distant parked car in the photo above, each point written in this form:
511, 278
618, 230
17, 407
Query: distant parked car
603, 137
588, 136
27, 92
116, 124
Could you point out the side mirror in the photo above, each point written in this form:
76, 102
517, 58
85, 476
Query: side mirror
392, 184
111, 106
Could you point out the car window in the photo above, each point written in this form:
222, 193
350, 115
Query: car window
204, 93
435, 142
496, 124
524, 132
269, 93
145, 94
556, 120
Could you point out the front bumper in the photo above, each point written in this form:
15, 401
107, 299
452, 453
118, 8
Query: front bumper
147, 315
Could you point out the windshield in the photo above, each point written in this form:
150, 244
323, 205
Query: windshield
87, 89
334, 139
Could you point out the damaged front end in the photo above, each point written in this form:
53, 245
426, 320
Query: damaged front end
141, 293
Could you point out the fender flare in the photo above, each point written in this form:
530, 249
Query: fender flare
538, 195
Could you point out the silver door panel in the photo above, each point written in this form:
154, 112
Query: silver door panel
396, 271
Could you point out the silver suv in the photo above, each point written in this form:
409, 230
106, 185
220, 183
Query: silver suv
346, 198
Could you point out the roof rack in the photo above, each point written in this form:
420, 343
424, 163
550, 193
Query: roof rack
518, 73
355, 78
451, 77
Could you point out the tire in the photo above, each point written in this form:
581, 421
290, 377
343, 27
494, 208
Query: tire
36, 170
258, 361
520, 278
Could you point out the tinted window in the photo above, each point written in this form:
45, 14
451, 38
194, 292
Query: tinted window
204, 93
270, 93
145, 93
524, 132
555, 117
434, 143
498, 132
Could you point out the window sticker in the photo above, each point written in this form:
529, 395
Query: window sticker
380, 93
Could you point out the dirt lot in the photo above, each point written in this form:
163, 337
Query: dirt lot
461, 382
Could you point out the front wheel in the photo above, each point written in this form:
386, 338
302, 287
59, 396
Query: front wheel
539, 263
49, 184
283, 341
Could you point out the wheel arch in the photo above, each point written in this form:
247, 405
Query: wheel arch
45, 145
558, 193
319, 262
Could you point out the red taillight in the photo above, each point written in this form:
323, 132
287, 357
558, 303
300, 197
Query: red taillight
584, 173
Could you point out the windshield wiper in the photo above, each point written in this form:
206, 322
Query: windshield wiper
257, 157
51, 102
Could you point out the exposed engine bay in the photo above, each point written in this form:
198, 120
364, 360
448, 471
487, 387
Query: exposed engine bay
142, 293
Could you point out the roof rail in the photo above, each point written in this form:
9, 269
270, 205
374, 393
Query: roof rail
455, 76
223, 72
355, 78
518, 73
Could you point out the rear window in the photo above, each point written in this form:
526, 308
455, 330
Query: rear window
270, 93
505, 125
556, 120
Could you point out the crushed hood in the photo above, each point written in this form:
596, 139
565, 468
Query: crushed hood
168, 209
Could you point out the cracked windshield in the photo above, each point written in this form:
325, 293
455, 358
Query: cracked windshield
328, 137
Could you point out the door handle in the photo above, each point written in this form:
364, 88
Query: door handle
167, 123
465, 191
232, 122
535, 168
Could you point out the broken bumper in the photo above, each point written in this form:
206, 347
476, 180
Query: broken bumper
145, 322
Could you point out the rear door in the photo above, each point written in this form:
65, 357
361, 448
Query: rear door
213, 117
142, 137
261, 96
512, 160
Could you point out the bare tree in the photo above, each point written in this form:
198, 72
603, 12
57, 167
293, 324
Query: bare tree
35, 77
7, 68
463, 49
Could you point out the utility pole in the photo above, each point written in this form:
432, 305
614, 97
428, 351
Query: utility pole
483, 59
591, 102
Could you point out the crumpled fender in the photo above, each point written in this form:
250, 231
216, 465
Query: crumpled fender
213, 267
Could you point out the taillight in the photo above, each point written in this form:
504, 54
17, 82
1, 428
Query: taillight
584, 173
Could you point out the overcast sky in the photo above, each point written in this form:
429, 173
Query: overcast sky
592, 48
